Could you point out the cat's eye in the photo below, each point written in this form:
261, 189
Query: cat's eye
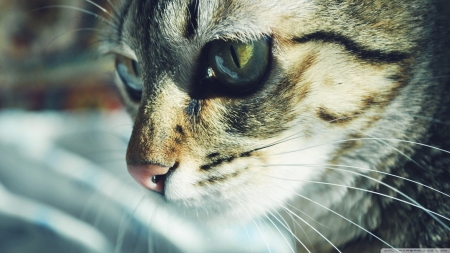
129, 73
237, 65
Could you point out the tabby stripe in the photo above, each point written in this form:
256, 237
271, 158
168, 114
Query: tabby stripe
122, 18
192, 24
353, 47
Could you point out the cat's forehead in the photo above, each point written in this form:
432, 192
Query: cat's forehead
190, 24
198, 22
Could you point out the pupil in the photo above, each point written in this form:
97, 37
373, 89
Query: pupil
234, 56
135, 68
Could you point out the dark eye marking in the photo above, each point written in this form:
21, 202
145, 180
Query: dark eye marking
120, 19
192, 24
360, 51
194, 107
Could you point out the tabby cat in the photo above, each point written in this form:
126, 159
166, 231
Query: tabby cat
332, 114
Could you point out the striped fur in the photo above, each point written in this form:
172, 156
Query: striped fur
352, 85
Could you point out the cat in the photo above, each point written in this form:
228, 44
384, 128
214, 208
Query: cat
330, 116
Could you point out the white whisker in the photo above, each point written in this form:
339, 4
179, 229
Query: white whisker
287, 209
122, 227
116, 12
281, 233
300, 226
396, 149
431, 213
358, 139
292, 213
267, 225
294, 230
74, 8
361, 168
72, 31
367, 231
260, 232
98, 6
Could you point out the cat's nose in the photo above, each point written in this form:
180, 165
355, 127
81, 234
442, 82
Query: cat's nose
151, 176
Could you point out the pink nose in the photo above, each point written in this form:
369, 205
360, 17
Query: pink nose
151, 176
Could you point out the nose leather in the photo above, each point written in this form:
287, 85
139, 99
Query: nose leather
151, 176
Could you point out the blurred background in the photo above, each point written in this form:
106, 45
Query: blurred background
63, 136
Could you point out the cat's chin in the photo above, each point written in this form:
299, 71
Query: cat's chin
234, 208
214, 218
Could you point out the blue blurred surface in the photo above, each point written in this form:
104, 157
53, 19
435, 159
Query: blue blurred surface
64, 188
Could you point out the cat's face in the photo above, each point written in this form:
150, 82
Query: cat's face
245, 102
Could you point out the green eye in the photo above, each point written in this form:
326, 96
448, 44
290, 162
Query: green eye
129, 73
239, 66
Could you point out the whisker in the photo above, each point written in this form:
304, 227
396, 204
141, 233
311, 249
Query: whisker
306, 213
74, 8
287, 209
281, 233
92, 198
116, 12
260, 232
294, 136
99, 215
413, 142
245, 227
294, 230
151, 238
361, 168
285, 224
265, 223
72, 31
396, 149
366, 169
367, 231
291, 137
358, 139
242, 221
91, 45
361, 189
122, 228
300, 226
431, 213
98, 6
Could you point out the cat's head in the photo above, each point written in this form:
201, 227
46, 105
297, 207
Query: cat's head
238, 105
